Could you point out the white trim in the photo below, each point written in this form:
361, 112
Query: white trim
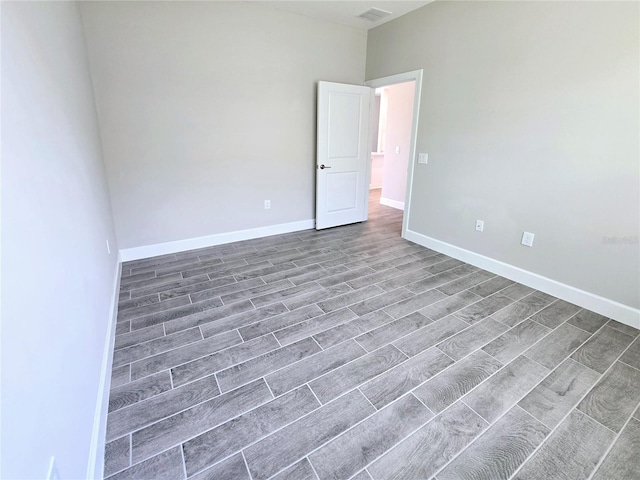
374, 187
415, 75
392, 203
95, 468
146, 251
604, 306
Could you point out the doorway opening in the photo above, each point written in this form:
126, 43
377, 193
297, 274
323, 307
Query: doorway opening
393, 115
393, 140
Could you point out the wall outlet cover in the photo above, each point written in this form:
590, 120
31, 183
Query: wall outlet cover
527, 239
423, 158
479, 225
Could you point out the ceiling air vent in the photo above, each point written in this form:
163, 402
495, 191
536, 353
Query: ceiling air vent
374, 14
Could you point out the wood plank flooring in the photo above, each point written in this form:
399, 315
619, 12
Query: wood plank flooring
351, 353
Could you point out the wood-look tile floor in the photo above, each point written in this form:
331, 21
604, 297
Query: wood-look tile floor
352, 353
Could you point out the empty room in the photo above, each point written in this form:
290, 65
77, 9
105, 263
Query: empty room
206, 275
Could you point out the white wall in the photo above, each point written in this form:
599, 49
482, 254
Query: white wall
529, 113
377, 170
207, 109
399, 121
57, 278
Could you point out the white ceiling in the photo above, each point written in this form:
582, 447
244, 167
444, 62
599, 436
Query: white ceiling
346, 12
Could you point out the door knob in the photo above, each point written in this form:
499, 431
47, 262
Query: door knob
322, 167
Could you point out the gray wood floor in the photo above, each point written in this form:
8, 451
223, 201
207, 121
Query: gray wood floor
352, 353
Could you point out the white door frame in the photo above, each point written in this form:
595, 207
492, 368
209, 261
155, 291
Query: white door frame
415, 75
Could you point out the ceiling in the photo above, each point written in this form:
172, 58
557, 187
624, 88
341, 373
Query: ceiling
346, 12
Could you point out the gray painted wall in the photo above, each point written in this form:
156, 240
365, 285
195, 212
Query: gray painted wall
207, 109
57, 277
529, 113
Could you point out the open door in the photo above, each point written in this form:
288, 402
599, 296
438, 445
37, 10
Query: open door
343, 151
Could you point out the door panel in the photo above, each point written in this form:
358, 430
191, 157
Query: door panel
343, 153
344, 125
341, 191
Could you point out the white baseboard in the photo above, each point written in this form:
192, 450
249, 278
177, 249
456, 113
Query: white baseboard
95, 468
392, 203
604, 306
147, 251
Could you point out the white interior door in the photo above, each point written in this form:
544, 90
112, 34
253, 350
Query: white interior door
343, 152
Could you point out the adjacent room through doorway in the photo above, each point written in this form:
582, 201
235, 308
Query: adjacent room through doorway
391, 142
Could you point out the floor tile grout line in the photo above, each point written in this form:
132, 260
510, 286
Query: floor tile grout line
152, 314
173, 445
452, 312
315, 472
612, 326
527, 318
129, 459
246, 465
287, 365
294, 342
308, 454
320, 405
314, 393
407, 359
537, 311
610, 447
316, 342
184, 463
477, 437
264, 379
631, 366
344, 364
461, 399
227, 367
434, 414
167, 416
273, 332
369, 401
600, 423
576, 404
162, 352
591, 335
158, 338
413, 295
168, 290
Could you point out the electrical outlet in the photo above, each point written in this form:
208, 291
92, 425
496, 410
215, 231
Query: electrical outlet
527, 239
267, 204
423, 158
479, 226
108, 247
398, 149
53, 473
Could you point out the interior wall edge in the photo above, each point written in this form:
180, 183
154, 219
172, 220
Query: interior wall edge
389, 202
604, 306
146, 251
95, 467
